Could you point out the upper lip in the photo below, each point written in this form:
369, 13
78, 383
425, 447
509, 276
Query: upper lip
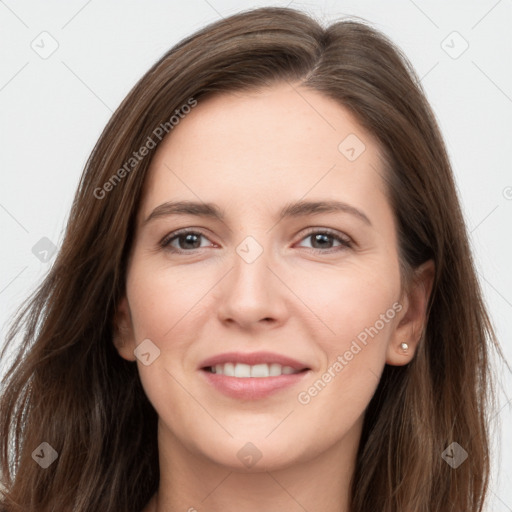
253, 358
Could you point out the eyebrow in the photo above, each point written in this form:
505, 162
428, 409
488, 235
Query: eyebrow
295, 209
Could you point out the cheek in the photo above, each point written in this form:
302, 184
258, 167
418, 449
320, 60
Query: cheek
161, 306
352, 302
163, 300
159, 310
359, 306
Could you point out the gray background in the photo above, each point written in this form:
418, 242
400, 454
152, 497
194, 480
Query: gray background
54, 105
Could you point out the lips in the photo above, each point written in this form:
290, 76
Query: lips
252, 376
253, 359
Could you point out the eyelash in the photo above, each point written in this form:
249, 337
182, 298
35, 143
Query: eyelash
345, 242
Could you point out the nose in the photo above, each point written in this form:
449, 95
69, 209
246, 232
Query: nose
252, 295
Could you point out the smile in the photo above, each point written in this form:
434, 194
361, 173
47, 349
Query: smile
244, 371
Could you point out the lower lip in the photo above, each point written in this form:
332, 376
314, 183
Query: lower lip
252, 388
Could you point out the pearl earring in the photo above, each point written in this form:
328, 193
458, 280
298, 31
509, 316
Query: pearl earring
404, 346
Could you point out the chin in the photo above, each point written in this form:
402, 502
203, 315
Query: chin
253, 453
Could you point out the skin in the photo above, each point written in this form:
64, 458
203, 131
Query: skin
251, 153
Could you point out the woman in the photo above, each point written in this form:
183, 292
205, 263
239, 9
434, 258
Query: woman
322, 345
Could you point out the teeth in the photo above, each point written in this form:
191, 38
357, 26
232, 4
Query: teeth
275, 369
260, 370
244, 371
229, 369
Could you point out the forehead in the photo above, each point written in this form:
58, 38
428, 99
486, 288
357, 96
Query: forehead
278, 144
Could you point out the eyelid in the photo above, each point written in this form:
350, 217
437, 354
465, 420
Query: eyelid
345, 240
164, 243
328, 231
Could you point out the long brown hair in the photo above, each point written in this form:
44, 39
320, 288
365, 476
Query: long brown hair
68, 386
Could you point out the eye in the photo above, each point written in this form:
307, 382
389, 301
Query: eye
322, 240
187, 240
183, 241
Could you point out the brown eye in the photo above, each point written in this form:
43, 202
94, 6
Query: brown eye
324, 240
183, 241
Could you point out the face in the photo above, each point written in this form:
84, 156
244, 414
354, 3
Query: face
251, 326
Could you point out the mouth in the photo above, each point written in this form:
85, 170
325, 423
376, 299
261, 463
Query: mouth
252, 376
258, 371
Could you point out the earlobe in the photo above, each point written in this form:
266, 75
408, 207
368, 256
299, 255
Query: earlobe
123, 337
400, 354
410, 327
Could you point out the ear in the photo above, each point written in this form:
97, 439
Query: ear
124, 338
412, 320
